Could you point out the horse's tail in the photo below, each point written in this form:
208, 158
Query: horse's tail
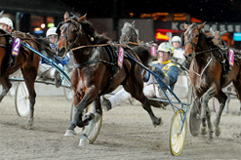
144, 54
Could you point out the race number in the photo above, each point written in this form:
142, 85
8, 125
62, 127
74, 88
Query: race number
120, 57
16, 46
231, 57
153, 51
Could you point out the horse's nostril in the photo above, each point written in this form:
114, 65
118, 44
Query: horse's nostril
188, 57
61, 51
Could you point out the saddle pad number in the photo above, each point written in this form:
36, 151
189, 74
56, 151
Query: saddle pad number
153, 51
120, 57
16, 46
231, 57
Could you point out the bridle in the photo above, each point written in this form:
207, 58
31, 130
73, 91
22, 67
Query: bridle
190, 40
194, 54
66, 36
194, 45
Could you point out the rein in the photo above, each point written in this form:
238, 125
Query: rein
91, 62
89, 46
197, 53
134, 43
22, 38
100, 60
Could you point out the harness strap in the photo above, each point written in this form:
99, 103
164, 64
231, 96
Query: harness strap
212, 49
127, 73
85, 63
4, 46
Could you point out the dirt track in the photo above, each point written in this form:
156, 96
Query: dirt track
126, 133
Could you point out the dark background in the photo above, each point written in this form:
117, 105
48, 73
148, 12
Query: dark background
205, 10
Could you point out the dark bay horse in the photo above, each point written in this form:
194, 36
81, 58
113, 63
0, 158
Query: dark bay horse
26, 60
207, 74
95, 70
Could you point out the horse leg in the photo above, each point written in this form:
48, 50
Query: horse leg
89, 128
205, 112
197, 104
222, 101
90, 95
29, 78
6, 84
209, 122
136, 92
146, 105
237, 85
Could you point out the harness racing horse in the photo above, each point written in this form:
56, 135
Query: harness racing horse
208, 77
129, 35
96, 72
26, 60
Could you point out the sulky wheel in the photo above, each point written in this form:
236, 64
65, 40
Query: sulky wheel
177, 134
194, 120
22, 100
93, 129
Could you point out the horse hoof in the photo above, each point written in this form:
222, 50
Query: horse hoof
210, 135
89, 117
29, 122
203, 131
158, 121
217, 131
69, 133
29, 127
84, 141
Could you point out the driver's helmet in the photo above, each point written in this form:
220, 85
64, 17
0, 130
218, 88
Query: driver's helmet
166, 47
51, 31
176, 39
7, 21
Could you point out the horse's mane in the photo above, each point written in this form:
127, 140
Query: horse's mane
91, 32
208, 39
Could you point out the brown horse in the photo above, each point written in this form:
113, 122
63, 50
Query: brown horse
96, 71
26, 60
208, 76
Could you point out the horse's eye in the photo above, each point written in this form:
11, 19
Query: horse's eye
74, 31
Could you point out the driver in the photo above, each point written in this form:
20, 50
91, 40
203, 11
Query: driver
46, 70
163, 67
178, 52
6, 24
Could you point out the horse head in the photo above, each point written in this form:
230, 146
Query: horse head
216, 37
191, 37
128, 33
71, 34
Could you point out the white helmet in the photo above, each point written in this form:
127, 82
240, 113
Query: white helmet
166, 47
51, 31
7, 21
176, 39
